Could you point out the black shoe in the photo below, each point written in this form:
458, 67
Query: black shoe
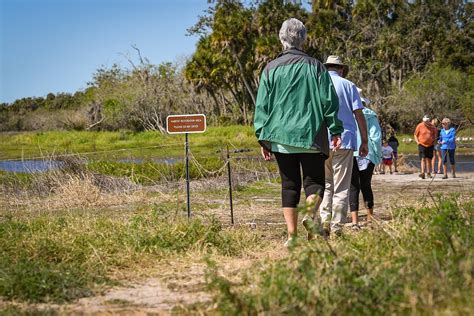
355, 227
422, 175
326, 230
445, 176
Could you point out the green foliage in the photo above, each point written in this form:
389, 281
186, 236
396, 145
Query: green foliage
439, 92
387, 43
421, 264
150, 172
55, 258
125, 144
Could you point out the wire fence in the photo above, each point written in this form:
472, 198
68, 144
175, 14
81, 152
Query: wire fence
228, 170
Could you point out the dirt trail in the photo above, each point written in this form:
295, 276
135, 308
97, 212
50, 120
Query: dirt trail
174, 287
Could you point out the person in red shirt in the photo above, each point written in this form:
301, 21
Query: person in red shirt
425, 135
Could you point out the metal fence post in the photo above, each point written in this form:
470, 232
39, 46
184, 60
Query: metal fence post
230, 187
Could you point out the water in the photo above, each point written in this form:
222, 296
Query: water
463, 162
29, 166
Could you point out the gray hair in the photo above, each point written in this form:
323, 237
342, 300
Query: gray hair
292, 33
447, 121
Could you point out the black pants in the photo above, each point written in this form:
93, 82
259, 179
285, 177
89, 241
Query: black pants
361, 181
313, 176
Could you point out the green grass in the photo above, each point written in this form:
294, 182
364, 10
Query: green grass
422, 263
124, 144
59, 257
151, 172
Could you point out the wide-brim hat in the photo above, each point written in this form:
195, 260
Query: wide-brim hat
337, 60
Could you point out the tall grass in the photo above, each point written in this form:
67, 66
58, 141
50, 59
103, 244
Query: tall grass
64, 256
134, 144
420, 264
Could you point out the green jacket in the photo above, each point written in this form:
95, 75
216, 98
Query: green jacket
296, 103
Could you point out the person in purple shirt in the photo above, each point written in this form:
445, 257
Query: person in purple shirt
447, 140
338, 167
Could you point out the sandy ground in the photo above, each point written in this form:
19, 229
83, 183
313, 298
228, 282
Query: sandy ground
180, 284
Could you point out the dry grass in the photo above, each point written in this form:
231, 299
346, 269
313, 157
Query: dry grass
70, 186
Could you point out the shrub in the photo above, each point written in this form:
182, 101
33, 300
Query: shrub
423, 264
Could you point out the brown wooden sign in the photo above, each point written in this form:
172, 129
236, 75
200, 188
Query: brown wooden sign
188, 123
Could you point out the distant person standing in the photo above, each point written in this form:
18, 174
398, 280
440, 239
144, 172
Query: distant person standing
296, 105
436, 148
447, 139
338, 167
425, 134
393, 142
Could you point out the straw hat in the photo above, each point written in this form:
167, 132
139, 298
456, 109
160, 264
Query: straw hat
337, 60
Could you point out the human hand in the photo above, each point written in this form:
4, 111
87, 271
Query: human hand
336, 142
266, 154
363, 150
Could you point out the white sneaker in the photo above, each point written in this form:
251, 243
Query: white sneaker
290, 242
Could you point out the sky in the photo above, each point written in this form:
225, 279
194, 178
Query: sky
57, 45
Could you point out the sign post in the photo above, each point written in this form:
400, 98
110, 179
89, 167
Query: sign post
185, 124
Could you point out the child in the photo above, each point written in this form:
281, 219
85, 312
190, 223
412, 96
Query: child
393, 142
387, 156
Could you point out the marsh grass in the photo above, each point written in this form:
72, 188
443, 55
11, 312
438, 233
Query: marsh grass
152, 172
133, 144
422, 263
71, 185
60, 257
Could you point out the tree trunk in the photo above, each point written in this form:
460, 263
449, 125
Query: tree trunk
242, 74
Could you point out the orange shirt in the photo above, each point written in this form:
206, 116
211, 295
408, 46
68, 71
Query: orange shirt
426, 134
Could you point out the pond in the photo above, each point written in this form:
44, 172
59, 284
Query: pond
464, 163
29, 166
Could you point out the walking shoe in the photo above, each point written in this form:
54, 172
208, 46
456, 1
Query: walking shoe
326, 230
309, 225
355, 227
429, 175
454, 175
337, 233
445, 176
290, 242
422, 175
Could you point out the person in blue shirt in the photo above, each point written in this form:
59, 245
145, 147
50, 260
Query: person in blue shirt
447, 140
338, 167
363, 167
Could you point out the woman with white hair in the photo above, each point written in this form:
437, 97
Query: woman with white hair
447, 139
296, 105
